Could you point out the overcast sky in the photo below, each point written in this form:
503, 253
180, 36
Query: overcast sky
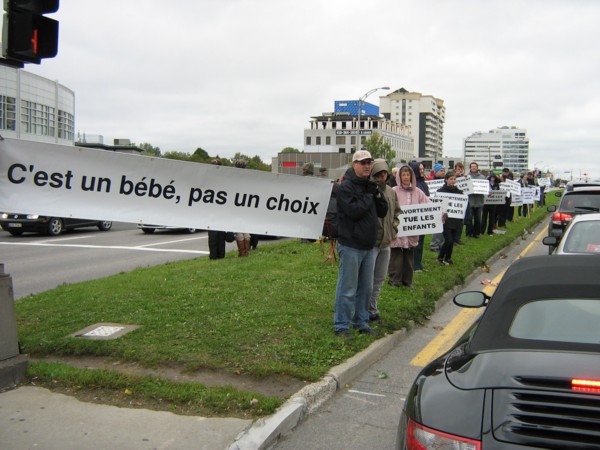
247, 75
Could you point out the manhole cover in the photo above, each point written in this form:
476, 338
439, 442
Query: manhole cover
105, 331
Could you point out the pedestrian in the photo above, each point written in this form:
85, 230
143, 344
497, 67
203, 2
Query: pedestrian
437, 239
452, 226
419, 171
523, 209
501, 209
401, 268
459, 171
510, 210
359, 205
386, 232
242, 239
488, 216
216, 239
475, 206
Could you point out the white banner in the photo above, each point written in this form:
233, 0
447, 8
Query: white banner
514, 187
434, 185
495, 198
416, 220
465, 185
528, 195
517, 200
545, 182
481, 187
457, 204
67, 181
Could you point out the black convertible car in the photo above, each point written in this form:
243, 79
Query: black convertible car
526, 375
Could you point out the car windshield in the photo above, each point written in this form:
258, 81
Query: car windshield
581, 201
583, 237
559, 320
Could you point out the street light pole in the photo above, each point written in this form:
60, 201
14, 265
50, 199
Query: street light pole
360, 102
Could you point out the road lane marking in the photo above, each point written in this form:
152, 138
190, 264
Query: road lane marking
462, 321
372, 394
171, 242
108, 247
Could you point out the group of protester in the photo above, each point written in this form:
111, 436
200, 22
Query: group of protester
370, 250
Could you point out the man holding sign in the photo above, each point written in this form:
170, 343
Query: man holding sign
452, 225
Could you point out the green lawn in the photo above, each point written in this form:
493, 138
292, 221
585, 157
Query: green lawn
270, 313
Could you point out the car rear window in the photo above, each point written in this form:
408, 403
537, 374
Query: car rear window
581, 201
558, 320
583, 237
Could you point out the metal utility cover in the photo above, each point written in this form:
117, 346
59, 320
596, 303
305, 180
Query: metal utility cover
104, 331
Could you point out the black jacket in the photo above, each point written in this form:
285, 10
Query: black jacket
420, 180
358, 212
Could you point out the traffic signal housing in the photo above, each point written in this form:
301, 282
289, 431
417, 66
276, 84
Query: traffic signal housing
28, 36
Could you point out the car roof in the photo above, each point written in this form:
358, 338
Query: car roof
534, 278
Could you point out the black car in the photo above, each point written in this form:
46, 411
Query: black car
17, 224
580, 200
527, 373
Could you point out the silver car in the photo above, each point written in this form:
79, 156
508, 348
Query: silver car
582, 235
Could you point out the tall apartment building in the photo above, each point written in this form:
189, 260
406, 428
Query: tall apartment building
424, 114
500, 147
345, 132
35, 108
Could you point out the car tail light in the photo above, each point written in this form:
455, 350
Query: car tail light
559, 218
582, 384
420, 437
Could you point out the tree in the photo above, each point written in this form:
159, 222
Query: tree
378, 148
180, 156
200, 155
149, 150
252, 163
290, 150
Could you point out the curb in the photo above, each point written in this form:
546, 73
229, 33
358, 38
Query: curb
265, 432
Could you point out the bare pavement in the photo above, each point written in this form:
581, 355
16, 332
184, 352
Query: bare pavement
36, 418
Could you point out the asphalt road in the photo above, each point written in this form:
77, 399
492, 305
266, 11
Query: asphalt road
37, 263
365, 414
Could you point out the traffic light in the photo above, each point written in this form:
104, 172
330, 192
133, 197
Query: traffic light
29, 36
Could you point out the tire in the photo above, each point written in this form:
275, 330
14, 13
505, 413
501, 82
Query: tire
15, 232
190, 230
55, 226
104, 226
148, 230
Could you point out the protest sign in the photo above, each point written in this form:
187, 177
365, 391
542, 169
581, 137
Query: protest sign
544, 182
528, 195
457, 204
495, 198
68, 181
465, 185
511, 186
517, 200
434, 185
481, 187
416, 220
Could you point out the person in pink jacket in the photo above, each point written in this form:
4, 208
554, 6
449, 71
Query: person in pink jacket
401, 267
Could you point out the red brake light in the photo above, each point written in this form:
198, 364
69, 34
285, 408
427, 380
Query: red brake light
559, 218
580, 384
422, 438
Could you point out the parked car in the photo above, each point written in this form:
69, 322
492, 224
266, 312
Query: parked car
149, 229
577, 201
17, 224
582, 235
526, 374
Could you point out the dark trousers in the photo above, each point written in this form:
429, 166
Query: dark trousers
473, 221
450, 236
510, 211
216, 244
401, 268
523, 211
488, 219
418, 253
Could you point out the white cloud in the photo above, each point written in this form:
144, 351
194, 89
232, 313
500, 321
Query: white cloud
240, 75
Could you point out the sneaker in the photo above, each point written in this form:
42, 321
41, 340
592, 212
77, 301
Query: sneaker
394, 283
448, 262
440, 261
459, 242
419, 270
407, 285
374, 318
344, 333
369, 331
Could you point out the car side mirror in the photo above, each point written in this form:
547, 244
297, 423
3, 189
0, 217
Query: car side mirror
551, 241
551, 208
471, 299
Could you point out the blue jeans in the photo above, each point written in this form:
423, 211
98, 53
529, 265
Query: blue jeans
381, 263
354, 286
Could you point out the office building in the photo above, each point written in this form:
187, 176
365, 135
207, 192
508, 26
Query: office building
498, 148
424, 114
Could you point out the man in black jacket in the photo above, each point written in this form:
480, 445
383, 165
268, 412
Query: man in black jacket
359, 205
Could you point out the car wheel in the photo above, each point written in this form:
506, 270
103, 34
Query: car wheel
190, 230
15, 232
55, 226
148, 230
104, 226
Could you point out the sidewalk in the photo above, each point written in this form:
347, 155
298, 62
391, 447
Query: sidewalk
32, 417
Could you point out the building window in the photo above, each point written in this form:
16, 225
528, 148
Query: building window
8, 113
340, 140
327, 140
65, 126
38, 119
342, 150
318, 138
307, 140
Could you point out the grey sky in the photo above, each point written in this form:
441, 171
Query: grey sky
241, 75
